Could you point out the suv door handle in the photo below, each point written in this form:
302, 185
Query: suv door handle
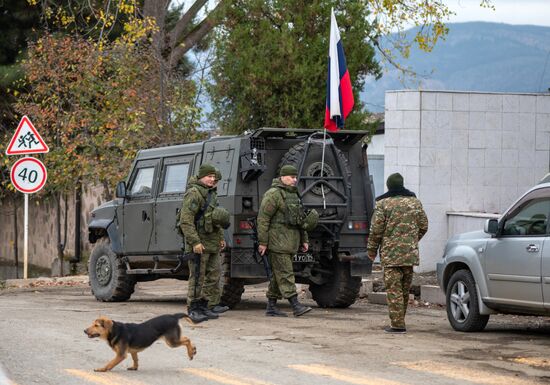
532, 248
144, 216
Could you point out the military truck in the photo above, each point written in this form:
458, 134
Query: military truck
136, 238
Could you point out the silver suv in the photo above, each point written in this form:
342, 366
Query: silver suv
503, 269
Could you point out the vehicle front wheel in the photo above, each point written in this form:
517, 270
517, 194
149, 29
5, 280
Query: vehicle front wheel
108, 278
463, 303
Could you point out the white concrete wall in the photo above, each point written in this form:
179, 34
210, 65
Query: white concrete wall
465, 151
376, 146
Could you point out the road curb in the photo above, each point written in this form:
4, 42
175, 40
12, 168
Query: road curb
432, 294
45, 281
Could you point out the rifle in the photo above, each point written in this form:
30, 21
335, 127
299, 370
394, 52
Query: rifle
256, 254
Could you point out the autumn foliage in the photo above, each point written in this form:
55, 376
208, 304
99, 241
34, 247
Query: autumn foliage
95, 106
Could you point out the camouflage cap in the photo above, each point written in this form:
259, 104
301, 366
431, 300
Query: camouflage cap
395, 181
288, 170
206, 169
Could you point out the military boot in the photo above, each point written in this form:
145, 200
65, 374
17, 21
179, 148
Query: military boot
297, 308
218, 309
195, 313
203, 305
272, 310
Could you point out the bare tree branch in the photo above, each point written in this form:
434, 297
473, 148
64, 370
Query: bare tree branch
183, 23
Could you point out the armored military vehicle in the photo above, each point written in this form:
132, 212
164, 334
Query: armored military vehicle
136, 239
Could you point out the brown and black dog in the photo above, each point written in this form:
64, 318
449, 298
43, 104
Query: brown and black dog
132, 338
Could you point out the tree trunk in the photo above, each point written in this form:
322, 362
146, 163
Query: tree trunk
61, 243
172, 45
77, 214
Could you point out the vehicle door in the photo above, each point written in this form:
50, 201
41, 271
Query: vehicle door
173, 182
513, 258
138, 208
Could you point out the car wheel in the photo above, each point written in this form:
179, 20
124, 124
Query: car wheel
463, 303
232, 288
340, 291
108, 279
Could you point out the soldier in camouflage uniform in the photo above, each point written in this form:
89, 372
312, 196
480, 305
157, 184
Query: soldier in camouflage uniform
201, 237
213, 292
398, 223
280, 235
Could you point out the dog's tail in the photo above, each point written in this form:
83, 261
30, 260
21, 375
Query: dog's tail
187, 318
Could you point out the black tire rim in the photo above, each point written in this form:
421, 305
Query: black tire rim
103, 270
460, 301
315, 170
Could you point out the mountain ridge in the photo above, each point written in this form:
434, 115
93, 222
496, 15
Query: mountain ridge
475, 56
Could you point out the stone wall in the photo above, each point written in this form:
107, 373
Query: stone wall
42, 228
465, 152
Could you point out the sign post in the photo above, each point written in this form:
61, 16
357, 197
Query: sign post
28, 174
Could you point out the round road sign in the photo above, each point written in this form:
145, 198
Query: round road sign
28, 175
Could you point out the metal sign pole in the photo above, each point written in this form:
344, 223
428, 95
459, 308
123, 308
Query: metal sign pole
26, 237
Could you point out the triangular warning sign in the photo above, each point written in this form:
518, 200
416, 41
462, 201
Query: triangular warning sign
26, 140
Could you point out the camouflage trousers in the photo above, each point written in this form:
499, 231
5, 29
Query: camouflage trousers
282, 285
208, 287
397, 280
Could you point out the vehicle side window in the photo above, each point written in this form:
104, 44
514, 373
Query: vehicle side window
143, 182
529, 219
175, 178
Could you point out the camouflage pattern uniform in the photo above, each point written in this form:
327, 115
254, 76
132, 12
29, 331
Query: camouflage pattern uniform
275, 230
398, 223
206, 233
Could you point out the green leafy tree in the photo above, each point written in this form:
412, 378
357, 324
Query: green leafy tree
271, 62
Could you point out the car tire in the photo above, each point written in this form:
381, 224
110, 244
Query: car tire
463, 303
108, 279
232, 288
341, 291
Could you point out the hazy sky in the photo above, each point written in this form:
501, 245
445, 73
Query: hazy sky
535, 12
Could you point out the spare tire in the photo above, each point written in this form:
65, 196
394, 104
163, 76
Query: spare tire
335, 191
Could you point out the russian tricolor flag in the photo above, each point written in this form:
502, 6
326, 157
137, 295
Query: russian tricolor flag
339, 93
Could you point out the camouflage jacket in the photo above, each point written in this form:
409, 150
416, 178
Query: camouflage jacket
398, 223
273, 228
205, 232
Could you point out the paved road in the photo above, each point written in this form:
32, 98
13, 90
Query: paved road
42, 342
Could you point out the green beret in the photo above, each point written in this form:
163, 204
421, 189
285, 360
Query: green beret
288, 170
395, 181
206, 169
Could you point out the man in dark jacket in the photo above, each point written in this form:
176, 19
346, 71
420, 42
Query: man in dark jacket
398, 224
280, 234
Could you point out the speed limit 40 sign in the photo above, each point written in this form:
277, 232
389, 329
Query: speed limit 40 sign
28, 175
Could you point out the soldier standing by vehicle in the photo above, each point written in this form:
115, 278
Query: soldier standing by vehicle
398, 224
280, 235
202, 237
220, 217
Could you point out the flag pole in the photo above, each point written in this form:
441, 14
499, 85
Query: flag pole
323, 167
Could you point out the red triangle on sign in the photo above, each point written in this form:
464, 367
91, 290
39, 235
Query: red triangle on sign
26, 140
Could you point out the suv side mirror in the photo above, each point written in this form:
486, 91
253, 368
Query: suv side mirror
491, 226
121, 190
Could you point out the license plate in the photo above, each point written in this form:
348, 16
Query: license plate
303, 258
